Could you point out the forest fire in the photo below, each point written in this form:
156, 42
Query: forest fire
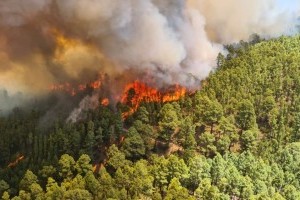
133, 95
72, 52
175, 94
137, 92
14, 163
73, 89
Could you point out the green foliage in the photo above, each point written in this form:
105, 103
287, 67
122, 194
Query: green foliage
83, 165
236, 138
168, 120
248, 139
133, 146
3, 186
176, 191
77, 194
143, 115
207, 191
47, 171
176, 168
67, 166
28, 179
106, 182
5, 196
147, 133
115, 158
246, 117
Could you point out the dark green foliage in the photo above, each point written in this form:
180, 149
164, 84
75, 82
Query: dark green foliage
168, 120
133, 145
3, 187
245, 118
28, 179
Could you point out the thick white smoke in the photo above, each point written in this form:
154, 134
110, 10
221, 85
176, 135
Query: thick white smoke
173, 38
87, 103
173, 41
233, 20
166, 38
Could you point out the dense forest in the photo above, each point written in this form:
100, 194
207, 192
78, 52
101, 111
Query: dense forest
235, 138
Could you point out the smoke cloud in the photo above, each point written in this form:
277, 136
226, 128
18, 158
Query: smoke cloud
10, 101
172, 41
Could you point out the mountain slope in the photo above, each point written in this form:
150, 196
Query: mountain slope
236, 138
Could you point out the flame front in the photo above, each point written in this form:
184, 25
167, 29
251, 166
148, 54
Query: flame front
74, 53
177, 93
133, 94
137, 92
73, 89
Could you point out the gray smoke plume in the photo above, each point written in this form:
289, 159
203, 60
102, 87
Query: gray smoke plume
88, 102
10, 101
173, 41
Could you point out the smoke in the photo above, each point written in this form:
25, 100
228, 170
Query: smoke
233, 20
10, 101
88, 102
172, 41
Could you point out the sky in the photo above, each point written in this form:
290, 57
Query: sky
292, 5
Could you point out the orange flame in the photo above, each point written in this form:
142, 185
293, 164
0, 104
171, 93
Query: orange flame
175, 95
97, 167
137, 92
96, 84
134, 93
105, 102
14, 163
73, 89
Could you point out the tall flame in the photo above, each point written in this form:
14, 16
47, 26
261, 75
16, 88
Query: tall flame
137, 92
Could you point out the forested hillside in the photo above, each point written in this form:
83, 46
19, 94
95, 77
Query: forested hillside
238, 137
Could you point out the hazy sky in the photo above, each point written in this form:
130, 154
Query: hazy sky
293, 5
